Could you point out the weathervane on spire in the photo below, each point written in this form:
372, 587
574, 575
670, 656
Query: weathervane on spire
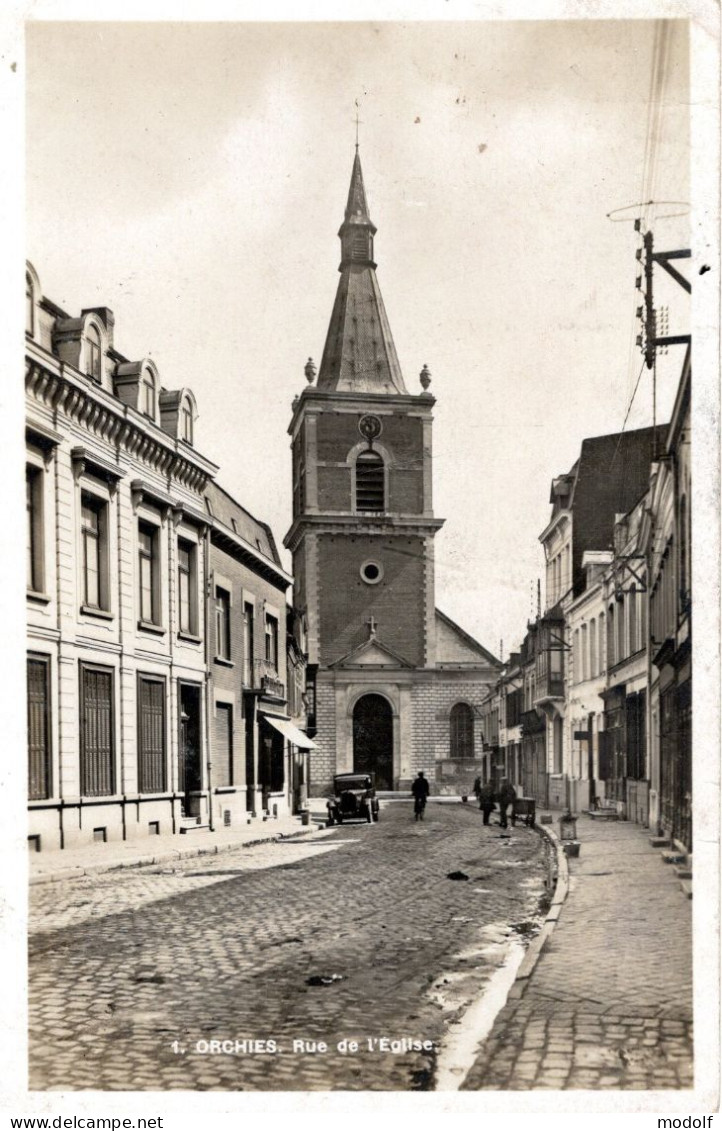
357, 122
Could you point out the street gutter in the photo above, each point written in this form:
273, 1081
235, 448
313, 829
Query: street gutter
456, 1061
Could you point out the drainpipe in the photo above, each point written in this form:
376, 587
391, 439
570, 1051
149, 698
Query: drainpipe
652, 746
115, 497
207, 696
60, 651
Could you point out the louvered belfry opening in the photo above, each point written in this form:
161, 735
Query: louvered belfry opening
369, 482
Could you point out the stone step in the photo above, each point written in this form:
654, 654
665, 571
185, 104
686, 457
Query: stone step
683, 871
192, 828
604, 814
659, 841
686, 886
674, 856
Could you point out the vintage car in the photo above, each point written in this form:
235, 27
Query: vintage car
354, 799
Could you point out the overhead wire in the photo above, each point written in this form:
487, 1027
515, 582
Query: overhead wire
629, 409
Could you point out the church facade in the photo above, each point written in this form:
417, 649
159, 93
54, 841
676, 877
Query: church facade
397, 686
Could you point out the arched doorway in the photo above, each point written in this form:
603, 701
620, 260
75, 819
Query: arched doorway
373, 739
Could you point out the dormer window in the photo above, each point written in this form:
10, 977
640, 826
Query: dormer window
29, 306
92, 353
370, 483
187, 423
148, 395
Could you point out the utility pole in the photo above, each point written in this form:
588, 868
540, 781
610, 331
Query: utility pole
650, 340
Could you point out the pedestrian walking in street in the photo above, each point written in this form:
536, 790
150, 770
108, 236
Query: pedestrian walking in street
507, 797
420, 790
476, 790
487, 801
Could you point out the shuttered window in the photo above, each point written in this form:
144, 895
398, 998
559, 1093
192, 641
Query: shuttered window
97, 769
151, 735
462, 731
38, 728
223, 753
369, 482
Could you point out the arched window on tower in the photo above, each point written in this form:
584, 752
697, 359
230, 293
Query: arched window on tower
370, 482
462, 731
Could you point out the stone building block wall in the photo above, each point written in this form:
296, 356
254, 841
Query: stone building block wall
322, 762
432, 702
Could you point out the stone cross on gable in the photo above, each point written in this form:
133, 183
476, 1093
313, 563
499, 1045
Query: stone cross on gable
372, 627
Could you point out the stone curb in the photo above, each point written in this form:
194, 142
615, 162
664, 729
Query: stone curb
169, 856
561, 891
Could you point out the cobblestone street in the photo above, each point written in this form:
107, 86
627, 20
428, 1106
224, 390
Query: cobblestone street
221, 948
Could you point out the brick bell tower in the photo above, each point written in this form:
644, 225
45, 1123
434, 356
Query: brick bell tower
363, 529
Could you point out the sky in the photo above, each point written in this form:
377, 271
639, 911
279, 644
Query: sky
192, 177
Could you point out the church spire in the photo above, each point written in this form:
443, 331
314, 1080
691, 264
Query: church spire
357, 232
359, 355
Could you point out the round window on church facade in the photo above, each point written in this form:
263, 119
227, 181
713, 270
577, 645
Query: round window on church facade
371, 572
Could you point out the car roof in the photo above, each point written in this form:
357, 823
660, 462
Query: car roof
353, 777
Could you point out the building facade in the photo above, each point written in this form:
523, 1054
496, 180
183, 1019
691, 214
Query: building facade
116, 556
251, 729
584, 758
666, 536
156, 606
396, 685
625, 764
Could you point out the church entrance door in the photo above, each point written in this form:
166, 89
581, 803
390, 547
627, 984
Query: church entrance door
373, 739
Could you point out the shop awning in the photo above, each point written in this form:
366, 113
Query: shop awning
291, 732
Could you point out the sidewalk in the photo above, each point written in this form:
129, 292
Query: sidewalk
70, 863
608, 1003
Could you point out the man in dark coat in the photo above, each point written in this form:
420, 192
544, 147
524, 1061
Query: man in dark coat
507, 797
487, 801
420, 790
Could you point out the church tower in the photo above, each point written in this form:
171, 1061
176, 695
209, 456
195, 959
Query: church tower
362, 536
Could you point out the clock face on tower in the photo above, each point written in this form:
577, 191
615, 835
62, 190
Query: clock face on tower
369, 427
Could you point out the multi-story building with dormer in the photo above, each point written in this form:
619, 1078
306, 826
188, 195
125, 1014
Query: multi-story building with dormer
152, 706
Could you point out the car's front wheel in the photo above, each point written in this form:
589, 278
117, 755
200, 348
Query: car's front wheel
376, 814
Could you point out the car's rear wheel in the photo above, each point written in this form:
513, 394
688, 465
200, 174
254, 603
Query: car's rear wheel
339, 818
376, 815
